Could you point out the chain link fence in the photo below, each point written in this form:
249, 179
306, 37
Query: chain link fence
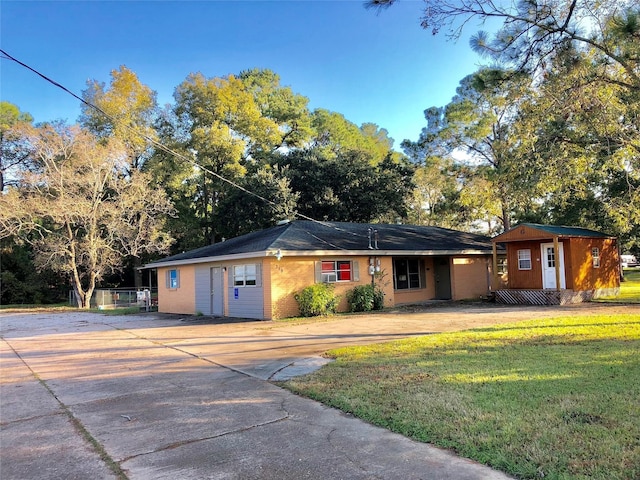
109, 298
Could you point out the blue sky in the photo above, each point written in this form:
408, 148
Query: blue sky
380, 68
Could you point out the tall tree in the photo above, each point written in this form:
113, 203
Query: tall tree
266, 197
13, 154
220, 125
477, 126
81, 211
335, 134
130, 109
532, 31
348, 187
280, 104
586, 146
444, 196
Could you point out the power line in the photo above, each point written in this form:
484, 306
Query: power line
152, 140
160, 145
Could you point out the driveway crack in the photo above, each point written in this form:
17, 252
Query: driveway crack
77, 424
183, 443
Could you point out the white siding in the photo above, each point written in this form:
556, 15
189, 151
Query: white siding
203, 290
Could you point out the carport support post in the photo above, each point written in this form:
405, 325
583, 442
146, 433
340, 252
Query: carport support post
557, 255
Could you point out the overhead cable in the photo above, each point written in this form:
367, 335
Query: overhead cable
162, 146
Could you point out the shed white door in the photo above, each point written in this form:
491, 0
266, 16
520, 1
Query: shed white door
549, 259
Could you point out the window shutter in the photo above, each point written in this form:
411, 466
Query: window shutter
423, 274
258, 274
177, 278
356, 271
167, 279
318, 271
230, 273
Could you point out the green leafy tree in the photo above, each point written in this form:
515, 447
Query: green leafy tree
219, 124
348, 187
265, 198
22, 283
434, 198
335, 135
13, 154
585, 152
279, 103
533, 31
477, 126
130, 109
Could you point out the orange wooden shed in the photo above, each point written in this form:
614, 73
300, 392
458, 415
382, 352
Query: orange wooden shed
548, 264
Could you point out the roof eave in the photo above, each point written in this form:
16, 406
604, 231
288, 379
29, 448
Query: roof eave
317, 253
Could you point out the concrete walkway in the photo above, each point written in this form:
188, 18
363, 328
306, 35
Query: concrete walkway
87, 396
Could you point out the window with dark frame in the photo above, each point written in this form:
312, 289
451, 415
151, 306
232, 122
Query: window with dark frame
595, 256
406, 274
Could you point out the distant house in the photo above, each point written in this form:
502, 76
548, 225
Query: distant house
257, 275
549, 264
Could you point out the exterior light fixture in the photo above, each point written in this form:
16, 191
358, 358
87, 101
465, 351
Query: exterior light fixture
278, 255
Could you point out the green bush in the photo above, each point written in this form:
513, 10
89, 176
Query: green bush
318, 299
378, 299
365, 298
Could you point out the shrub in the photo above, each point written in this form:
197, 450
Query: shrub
360, 298
365, 298
378, 299
318, 299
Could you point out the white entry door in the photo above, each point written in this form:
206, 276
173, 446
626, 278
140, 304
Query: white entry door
549, 259
217, 292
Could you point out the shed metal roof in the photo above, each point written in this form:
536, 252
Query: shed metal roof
547, 231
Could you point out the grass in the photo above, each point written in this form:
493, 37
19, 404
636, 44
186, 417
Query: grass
65, 307
555, 398
38, 307
629, 289
118, 311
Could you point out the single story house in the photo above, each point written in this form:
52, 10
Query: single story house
549, 264
257, 275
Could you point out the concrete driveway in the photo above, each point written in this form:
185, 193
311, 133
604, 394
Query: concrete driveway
88, 396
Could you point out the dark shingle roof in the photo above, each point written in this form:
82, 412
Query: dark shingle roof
305, 236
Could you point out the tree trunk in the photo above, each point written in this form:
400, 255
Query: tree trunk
137, 273
89, 292
81, 296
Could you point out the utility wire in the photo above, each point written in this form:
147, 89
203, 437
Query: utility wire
162, 146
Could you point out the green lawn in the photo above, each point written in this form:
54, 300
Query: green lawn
64, 307
629, 289
555, 399
37, 307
